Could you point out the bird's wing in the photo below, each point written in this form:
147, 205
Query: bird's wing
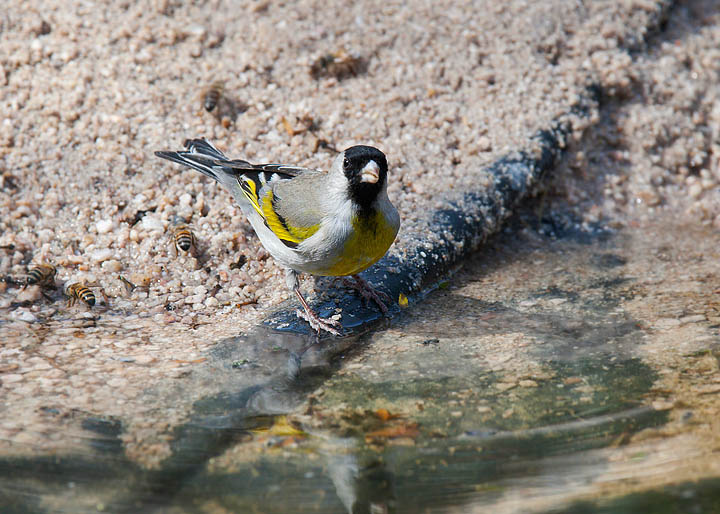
287, 198
291, 207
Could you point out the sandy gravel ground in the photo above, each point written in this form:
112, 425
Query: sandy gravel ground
662, 127
87, 94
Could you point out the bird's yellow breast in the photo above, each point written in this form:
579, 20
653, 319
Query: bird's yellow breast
372, 236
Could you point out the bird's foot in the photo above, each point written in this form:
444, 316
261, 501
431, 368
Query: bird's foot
317, 323
368, 292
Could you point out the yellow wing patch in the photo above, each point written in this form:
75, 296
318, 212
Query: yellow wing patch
288, 233
249, 189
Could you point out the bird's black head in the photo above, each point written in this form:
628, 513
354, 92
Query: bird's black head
366, 169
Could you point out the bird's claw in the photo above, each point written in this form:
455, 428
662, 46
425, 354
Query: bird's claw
317, 323
368, 292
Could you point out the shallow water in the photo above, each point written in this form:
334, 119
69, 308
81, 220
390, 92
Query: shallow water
558, 371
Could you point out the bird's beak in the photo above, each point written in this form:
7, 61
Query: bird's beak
370, 173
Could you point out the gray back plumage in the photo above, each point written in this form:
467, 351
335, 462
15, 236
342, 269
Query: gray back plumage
301, 200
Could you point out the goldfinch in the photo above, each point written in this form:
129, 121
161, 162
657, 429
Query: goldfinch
330, 223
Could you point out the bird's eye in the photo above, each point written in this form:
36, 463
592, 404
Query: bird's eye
346, 163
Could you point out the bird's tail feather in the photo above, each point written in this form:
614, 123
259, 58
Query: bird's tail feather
204, 147
204, 157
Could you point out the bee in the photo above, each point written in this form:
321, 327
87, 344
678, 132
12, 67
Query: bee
212, 95
42, 275
78, 291
338, 64
184, 239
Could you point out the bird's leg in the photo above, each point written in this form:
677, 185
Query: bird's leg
368, 292
316, 322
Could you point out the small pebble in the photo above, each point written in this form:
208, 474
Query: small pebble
666, 323
101, 255
113, 266
104, 226
195, 298
695, 190
23, 315
484, 144
695, 318
144, 359
29, 294
151, 223
663, 404
116, 382
197, 30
